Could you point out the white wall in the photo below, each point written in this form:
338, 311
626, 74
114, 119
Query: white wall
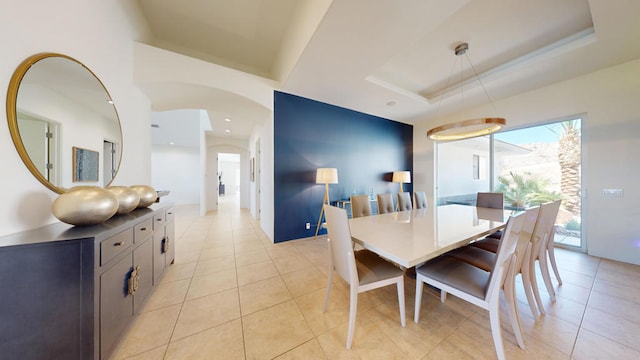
229, 170
611, 149
96, 33
264, 135
176, 169
456, 169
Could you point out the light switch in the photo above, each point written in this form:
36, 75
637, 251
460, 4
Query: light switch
612, 192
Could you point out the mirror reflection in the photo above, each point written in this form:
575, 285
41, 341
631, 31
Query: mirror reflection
55, 106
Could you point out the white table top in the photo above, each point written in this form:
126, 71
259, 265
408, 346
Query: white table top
409, 238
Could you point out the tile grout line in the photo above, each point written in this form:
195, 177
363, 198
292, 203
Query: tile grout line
586, 306
166, 350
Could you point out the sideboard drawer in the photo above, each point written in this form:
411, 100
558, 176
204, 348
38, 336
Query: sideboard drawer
114, 245
158, 220
170, 215
143, 230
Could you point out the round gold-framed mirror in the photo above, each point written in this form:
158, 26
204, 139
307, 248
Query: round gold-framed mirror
63, 122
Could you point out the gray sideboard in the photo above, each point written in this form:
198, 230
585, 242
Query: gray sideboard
69, 292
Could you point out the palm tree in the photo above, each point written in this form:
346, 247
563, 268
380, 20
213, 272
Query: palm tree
569, 159
521, 191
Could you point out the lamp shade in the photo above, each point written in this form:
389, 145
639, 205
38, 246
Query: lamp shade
402, 177
327, 176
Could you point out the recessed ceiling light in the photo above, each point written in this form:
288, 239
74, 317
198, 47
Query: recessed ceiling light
110, 101
228, 131
227, 119
171, 143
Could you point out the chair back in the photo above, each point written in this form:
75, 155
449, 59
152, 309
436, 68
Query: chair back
523, 246
360, 205
490, 200
543, 230
420, 199
505, 254
385, 203
404, 201
340, 244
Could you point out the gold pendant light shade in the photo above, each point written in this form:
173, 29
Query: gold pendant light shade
466, 129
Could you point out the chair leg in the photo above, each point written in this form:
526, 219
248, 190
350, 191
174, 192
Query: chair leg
353, 308
416, 311
544, 269
329, 285
512, 310
533, 283
494, 318
329, 279
528, 290
552, 259
403, 317
443, 295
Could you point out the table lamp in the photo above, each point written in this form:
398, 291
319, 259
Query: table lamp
401, 177
325, 176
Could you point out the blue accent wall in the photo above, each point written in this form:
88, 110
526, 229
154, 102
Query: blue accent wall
309, 134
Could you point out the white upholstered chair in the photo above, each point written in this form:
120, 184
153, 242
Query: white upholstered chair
360, 206
404, 201
362, 270
490, 200
385, 203
420, 199
477, 286
485, 259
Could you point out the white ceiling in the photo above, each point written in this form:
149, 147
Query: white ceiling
393, 59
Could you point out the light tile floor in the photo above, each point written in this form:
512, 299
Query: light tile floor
231, 294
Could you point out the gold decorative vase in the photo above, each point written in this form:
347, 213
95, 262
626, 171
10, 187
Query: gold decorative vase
128, 199
148, 195
85, 205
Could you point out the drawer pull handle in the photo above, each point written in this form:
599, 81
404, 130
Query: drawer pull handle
158, 219
143, 229
118, 243
165, 246
134, 280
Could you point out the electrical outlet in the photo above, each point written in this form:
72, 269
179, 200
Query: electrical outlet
307, 226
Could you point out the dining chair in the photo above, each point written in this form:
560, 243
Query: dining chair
492, 200
404, 201
542, 241
360, 206
362, 270
385, 203
477, 286
420, 199
485, 259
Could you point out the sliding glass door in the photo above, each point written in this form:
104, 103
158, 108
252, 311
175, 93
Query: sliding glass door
530, 166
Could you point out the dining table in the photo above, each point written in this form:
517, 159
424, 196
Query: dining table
409, 238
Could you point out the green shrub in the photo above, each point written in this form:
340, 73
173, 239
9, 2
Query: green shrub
573, 224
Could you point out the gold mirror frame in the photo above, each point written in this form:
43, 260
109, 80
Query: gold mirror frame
12, 116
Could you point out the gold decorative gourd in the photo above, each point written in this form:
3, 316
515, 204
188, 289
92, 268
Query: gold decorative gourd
85, 205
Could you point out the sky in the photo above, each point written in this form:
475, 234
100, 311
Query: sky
536, 134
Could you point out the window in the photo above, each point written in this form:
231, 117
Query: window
479, 167
530, 166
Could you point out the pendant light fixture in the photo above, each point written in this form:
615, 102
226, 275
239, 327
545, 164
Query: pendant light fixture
470, 127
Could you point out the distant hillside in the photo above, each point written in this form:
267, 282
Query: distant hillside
541, 163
